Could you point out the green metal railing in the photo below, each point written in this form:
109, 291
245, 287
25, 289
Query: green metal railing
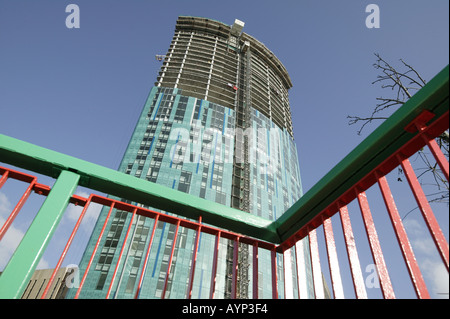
413, 126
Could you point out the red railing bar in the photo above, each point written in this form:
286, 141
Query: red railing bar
214, 267
355, 268
169, 266
17, 209
375, 247
425, 208
235, 268
4, 177
66, 248
420, 124
301, 270
183, 222
120, 254
147, 254
315, 265
23, 177
408, 254
408, 149
255, 271
288, 274
94, 252
194, 259
336, 280
274, 274
438, 155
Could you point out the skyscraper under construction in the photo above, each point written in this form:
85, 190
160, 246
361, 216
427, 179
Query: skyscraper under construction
217, 125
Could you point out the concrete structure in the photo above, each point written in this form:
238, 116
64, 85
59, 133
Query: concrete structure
216, 125
39, 280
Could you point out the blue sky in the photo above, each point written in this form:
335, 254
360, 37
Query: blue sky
80, 91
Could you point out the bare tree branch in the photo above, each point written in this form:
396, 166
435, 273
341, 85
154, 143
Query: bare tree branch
402, 83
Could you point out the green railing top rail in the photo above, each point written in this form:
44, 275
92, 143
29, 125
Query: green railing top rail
367, 156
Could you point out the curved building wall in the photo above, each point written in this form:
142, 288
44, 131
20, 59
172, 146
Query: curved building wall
207, 59
201, 134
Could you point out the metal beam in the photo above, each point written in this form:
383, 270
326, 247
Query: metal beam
375, 150
23, 263
109, 181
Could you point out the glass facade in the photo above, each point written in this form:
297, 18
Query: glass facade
232, 152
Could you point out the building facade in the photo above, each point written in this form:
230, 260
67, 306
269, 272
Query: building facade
217, 125
38, 282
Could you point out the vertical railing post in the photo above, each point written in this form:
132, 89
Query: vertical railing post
420, 124
402, 237
214, 267
66, 248
300, 263
425, 208
4, 177
273, 255
375, 247
288, 274
147, 254
355, 267
335, 273
255, 271
17, 209
194, 259
169, 266
234, 283
315, 263
22, 264
121, 254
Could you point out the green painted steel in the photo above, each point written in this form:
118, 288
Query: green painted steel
106, 180
22, 264
375, 149
367, 156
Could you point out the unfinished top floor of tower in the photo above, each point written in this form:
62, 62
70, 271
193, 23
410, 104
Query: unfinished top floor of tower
210, 60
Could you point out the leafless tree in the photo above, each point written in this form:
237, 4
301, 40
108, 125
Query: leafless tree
404, 83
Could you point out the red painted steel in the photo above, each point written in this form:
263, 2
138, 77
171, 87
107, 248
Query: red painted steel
355, 268
315, 265
194, 259
67, 246
274, 274
235, 268
335, 273
4, 177
169, 266
95, 250
121, 254
288, 275
419, 124
424, 137
438, 155
301, 270
214, 267
408, 254
17, 208
255, 271
383, 275
425, 208
147, 254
